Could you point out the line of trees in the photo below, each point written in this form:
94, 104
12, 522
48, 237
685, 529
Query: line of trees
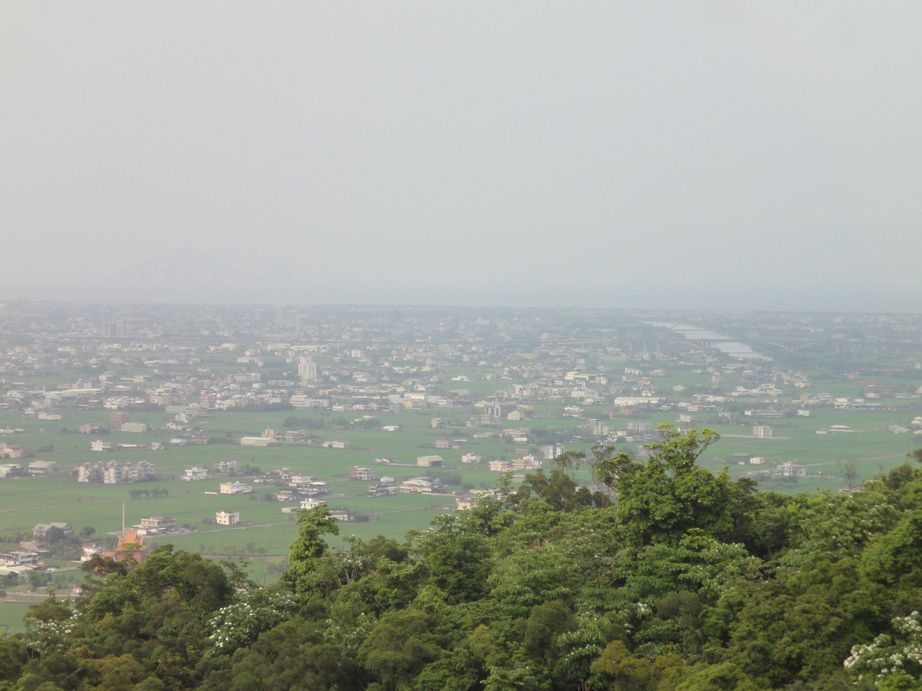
147, 493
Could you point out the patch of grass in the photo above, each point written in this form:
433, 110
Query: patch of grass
11, 614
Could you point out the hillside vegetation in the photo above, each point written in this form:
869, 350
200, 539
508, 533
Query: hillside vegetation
664, 577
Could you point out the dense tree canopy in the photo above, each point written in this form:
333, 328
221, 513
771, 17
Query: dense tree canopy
664, 577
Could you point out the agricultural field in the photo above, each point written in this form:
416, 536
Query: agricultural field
11, 614
508, 385
27, 501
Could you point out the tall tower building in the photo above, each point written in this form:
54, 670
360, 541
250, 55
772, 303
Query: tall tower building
307, 369
114, 329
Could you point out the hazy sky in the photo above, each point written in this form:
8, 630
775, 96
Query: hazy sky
626, 154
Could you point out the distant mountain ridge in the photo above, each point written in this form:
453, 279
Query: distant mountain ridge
185, 265
190, 273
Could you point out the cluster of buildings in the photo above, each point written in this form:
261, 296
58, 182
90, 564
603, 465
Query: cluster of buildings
115, 473
234, 487
18, 563
524, 463
387, 486
337, 513
35, 468
494, 373
368, 363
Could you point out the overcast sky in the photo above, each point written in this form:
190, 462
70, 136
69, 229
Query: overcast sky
713, 154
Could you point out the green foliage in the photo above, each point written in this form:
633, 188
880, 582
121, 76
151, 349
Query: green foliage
623, 670
690, 581
547, 622
293, 655
147, 621
240, 623
309, 547
559, 489
13, 656
698, 563
530, 576
891, 660
840, 524
398, 648
457, 558
726, 675
897, 556
661, 499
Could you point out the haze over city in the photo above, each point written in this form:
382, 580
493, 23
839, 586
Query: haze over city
678, 155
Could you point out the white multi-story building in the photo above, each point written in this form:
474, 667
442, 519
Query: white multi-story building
307, 369
157, 525
551, 451
762, 431
196, 473
225, 517
256, 441
234, 488
304, 401
113, 472
362, 474
42, 467
20, 559
226, 466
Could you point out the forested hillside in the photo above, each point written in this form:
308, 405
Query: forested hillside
668, 577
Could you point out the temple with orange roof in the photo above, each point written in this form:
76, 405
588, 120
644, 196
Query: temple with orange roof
130, 546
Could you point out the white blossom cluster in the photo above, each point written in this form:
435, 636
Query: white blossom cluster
241, 623
585, 643
842, 522
349, 639
889, 654
353, 565
48, 636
